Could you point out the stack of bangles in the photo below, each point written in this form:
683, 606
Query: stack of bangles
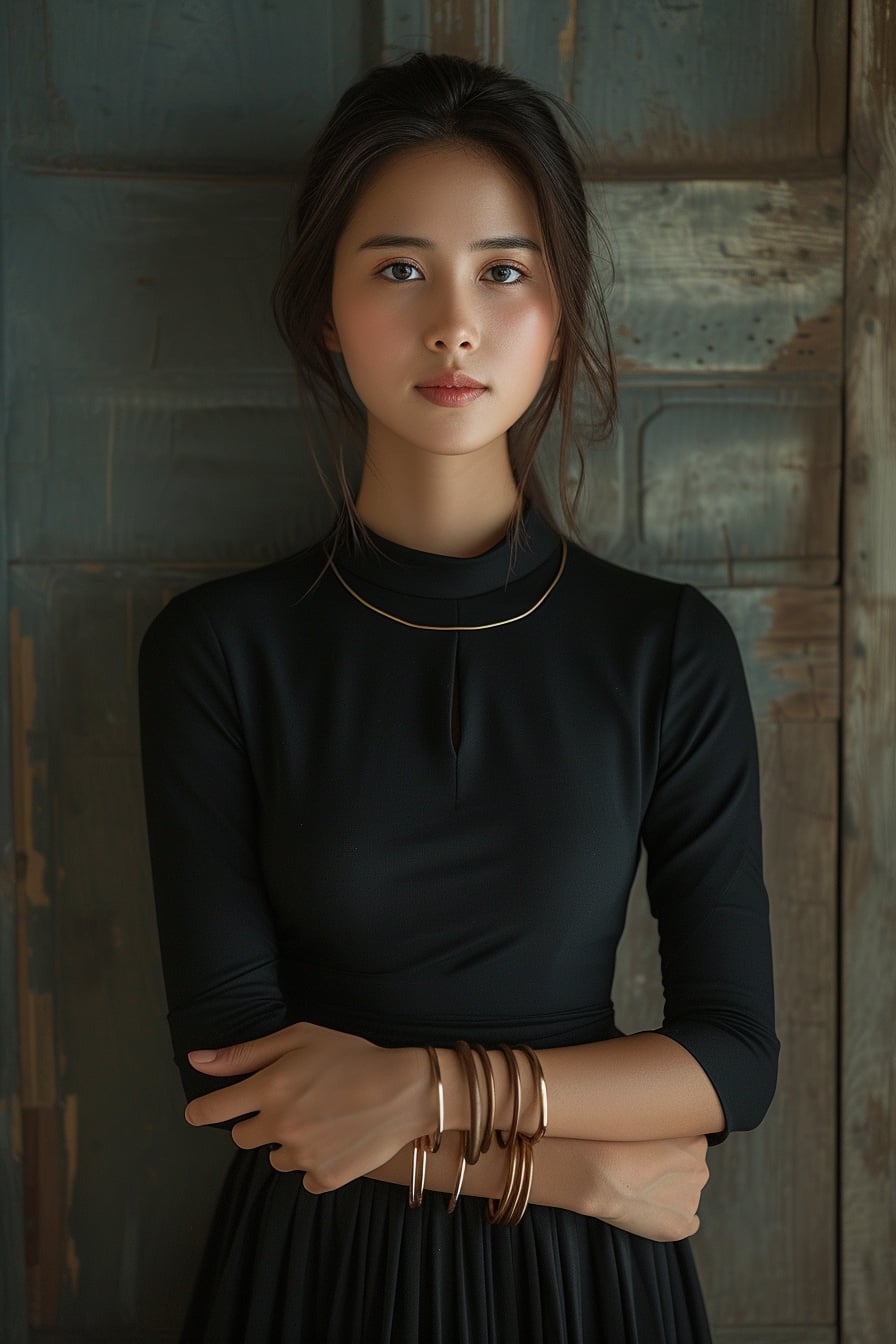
509, 1209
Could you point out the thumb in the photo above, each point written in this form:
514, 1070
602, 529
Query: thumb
244, 1057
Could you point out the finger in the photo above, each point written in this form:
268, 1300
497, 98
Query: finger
245, 1056
253, 1133
240, 1099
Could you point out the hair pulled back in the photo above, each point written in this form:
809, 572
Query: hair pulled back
447, 100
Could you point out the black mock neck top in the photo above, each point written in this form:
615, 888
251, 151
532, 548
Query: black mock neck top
420, 835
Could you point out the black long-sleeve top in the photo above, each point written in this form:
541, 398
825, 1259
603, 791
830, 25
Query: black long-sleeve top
419, 835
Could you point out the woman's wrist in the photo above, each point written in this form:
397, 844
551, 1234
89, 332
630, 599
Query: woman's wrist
562, 1176
457, 1092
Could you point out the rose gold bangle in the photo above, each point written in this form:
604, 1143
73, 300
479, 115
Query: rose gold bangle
541, 1091
489, 1121
474, 1133
461, 1170
513, 1069
495, 1208
433, 1144
519, 1204
418, 1164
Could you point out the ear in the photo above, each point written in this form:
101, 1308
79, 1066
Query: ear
331, 338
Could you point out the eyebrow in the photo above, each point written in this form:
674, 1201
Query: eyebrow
480, 245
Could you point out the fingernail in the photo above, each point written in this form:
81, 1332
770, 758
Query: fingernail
203, 1056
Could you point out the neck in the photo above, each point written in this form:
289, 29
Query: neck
447, 506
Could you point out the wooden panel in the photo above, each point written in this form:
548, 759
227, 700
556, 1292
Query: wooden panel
762, 84
243, 86
711, 276
136, 390
783, 1175
717, 485
869, 656
142, 276
726, 276
107, 1155
726, 83
206, 472
790, 638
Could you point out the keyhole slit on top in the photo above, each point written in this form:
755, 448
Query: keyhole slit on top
455, 700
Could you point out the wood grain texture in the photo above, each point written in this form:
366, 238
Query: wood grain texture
107, 1153
868, 838
242, 88
718, 85
781, 1176
137, 386
725, 276
238, 89
715, 484
129, 276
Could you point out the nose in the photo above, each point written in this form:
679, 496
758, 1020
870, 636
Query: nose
452, 323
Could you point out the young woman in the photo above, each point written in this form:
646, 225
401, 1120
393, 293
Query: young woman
396, 786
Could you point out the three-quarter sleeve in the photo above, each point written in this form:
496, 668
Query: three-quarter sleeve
703, 838
216, 934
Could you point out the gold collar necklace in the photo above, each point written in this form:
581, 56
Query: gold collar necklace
491, 624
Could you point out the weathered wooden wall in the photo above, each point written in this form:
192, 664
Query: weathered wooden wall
152, 439
868, 783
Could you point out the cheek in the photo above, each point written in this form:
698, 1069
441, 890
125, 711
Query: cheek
366, 325
528, 334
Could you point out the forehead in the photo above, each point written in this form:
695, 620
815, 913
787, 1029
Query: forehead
444, 191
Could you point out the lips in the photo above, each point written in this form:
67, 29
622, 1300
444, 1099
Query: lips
455, 380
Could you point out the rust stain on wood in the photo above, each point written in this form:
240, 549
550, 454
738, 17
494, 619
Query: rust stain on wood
802, 644
42, 1179
452, 28
70, 1138
470, 28
817, 341
566, 48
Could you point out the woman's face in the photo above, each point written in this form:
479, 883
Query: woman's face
441, 269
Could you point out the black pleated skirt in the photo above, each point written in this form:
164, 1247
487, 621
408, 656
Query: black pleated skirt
358, 1266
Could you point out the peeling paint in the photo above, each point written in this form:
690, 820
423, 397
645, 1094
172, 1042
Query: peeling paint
567, 35
801, 645
817, 341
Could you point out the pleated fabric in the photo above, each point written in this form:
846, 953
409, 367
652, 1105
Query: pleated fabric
358, 1266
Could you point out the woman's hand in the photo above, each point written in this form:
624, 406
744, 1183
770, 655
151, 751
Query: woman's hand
337, 1104
650, 1187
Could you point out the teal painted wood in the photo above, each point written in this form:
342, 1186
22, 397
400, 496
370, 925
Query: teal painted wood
152, 420
868, 743
152, 276
113, 1239
139, 375
240, 87
795, 1143
726, 276
13, 1285
664, 85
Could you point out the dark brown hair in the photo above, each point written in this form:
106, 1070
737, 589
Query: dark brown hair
440, 99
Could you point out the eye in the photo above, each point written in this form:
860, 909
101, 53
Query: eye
506, 266
405, 265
